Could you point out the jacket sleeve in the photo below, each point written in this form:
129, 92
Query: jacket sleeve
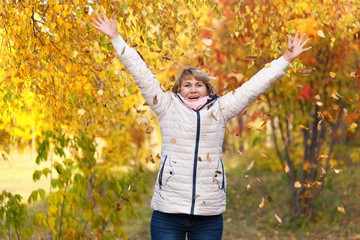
154, 94
233, 103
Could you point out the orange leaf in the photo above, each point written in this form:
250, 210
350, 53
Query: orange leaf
341, 209
199, 158
118, 207
73, 150
196, 196
208, 157
173, 140
205, 123
213, 116
263, 155
155, 101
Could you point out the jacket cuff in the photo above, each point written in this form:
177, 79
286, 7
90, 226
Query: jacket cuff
282, 63
118, 43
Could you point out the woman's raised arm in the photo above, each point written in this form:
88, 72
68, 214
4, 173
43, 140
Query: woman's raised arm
150, 87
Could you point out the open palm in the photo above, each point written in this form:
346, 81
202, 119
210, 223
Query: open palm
296, 47
105, 26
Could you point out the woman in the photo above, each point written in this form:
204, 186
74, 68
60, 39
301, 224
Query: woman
189, 195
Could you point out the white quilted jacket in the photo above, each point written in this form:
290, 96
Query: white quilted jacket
191, 178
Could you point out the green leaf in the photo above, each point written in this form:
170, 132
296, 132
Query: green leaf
37, 175
102, 39
41, 193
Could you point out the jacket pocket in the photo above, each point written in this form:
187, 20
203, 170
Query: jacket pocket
219, 175
166, 172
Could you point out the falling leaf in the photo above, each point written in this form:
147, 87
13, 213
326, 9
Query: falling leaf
322, 157
213, 116
207, 42
205, 123
319, 124
278, 218
323, 171
332, 74
123, 51
341, 209
317, 97
208, 157
258, 180
251, 165
320, 104
204, 202
337, 170
118, 207
353, 126
173, 140
269, 198
93, 197
248, 187
100, 92
267, 65
155, 101
199, 158
286, 169
218, 172
240, 153
73, 150
303, 127
262, 203
247, 176
264, 155
196, 196
326, 83
149, 159
321, 33
297, 184
81, 112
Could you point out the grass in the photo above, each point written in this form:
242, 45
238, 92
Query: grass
243, 218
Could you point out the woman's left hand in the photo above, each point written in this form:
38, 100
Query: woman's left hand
295, 48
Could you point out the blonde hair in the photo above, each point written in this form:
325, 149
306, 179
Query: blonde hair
198, 74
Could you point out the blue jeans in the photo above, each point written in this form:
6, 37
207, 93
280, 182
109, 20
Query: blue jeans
167, 226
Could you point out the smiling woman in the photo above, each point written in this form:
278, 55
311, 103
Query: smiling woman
190, 191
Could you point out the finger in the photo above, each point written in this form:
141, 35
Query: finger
297, 36
97, 27
113, 17
96, 22
306, 49
302, 38
98, 17
304, 43
104, 15
289, 40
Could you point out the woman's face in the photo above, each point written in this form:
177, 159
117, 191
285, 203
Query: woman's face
192, 89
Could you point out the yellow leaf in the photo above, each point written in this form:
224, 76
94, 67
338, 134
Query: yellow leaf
297, 184
337, 170
81, 112
286, 169
173, 140
255, 26
262, 203
353, 126
341, 209
321, 33
267, 65
332, 74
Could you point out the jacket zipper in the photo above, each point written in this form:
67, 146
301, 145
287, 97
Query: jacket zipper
195, 162
161, 173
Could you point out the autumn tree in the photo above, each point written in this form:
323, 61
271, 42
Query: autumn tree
62, 86
306, 108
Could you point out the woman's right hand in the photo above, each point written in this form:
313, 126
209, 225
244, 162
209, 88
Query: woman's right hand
105, 26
